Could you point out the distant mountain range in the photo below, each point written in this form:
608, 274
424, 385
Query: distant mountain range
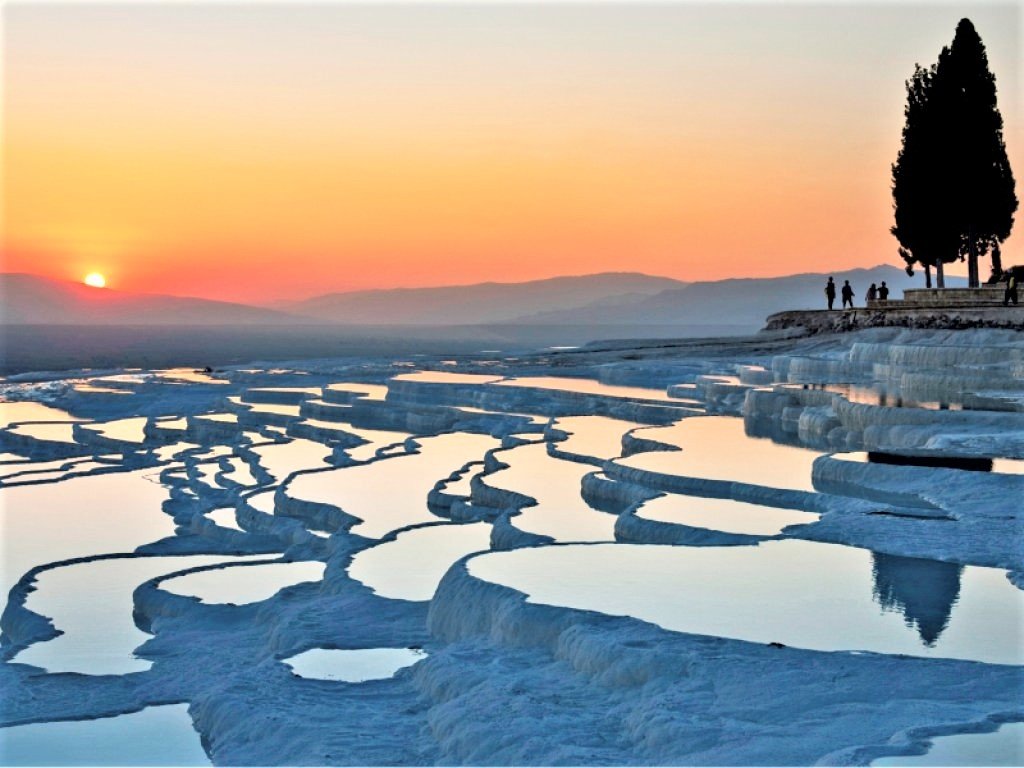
29, 299
611, 300
740, 301
484, 303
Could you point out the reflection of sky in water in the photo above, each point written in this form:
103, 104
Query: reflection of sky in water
410, 567
722, 514
26, 410
129, 430
281, 459
368, 391
448, 377
596, 436
718, 448
1004, 746
561, 511
155, 736
91, 603
225, 518
54, 432
803, 594
244, 584
353, 666
392, 493
101, 514
589, 387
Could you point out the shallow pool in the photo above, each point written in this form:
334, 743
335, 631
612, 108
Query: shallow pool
240, 585
555, 484
718, 448
391, 493
410, 566
91, 603
804, 594
722, 514
155, 736
1004, 746
353, 666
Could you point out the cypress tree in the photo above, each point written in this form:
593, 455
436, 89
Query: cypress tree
953, 190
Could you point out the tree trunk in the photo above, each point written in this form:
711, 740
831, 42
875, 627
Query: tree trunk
997, 261
972, 260
940, 277
927, 275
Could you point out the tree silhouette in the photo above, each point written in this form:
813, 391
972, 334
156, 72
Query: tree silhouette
953, 190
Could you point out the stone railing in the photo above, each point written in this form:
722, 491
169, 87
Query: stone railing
986, 296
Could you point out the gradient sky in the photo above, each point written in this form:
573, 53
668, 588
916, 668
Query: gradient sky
259, 151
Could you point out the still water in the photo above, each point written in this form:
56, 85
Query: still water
410, 566
353, 666
155, 736
392, 493
804, 594
244, 584
718, 448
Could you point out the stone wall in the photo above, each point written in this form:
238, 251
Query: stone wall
900, 315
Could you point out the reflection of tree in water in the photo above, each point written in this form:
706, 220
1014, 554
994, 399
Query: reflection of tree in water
924, 591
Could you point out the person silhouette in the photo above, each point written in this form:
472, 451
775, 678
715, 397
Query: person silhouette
872, 293
847, 294
883, 292
830, 292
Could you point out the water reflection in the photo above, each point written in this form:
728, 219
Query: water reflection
155, 736
799, 593
924, 591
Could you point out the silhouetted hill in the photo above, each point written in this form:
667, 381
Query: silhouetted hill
743, 301
29, 299
478, 304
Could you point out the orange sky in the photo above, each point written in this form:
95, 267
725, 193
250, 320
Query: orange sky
259, 151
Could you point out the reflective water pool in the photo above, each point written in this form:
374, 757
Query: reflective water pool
804, 594
596, 436
448, 377
410, 567
353, 666
98, 514
54, 431
129, 430
368, 391
281, 459
91, 603
392, 493
588, 387
561, 512
1004, 746
718, 448
26, 410
155, 736
722, 514
244, 584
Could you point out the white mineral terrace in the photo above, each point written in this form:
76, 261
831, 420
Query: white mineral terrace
767, 553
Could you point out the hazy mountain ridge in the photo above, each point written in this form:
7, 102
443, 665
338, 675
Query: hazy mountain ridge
623, 300
745, 301
479, 303
29, 299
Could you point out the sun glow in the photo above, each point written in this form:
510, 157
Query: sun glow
95, 280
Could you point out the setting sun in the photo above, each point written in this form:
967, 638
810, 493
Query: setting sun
96, 280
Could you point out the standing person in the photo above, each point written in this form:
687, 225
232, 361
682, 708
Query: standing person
847, 294
1010, 294
883, 292
872, 293
830, 292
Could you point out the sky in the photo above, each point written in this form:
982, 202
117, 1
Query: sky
264, 151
